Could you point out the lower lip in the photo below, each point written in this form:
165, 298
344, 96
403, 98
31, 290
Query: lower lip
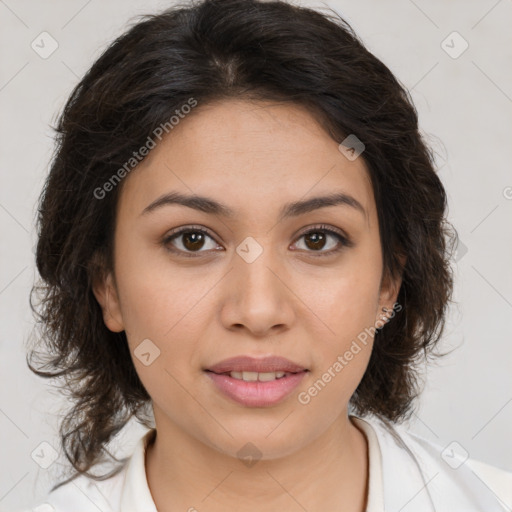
256, 394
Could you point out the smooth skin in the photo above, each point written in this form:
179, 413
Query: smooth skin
301, 299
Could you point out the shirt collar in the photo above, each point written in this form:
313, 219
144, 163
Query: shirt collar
136, 495
375, 501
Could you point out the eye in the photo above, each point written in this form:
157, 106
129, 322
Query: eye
189, 240
317, 238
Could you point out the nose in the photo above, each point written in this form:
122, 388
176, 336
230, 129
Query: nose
258, 296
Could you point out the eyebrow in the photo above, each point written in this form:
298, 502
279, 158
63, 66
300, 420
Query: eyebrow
293, 209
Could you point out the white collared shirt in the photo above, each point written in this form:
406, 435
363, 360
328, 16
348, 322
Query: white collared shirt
406, 474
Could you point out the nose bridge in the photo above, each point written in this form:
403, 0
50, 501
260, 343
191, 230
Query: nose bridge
255, 265
258, 296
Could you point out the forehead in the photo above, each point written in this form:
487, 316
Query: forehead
248, 155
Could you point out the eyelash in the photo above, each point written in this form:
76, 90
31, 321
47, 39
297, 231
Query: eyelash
343, 240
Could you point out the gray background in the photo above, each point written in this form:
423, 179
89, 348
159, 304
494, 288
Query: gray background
464, 105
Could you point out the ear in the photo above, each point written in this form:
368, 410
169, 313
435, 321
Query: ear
390, 287
105, 291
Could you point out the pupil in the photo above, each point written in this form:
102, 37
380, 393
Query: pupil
193, 240
317, 240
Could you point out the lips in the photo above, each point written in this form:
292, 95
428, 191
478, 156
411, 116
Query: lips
259, 365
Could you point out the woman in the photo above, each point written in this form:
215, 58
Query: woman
243, 244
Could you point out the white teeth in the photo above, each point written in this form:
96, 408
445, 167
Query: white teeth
265, 377
254, 376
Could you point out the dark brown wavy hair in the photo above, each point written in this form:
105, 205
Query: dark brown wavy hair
213, 50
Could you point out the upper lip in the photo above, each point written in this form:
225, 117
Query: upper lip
260, 365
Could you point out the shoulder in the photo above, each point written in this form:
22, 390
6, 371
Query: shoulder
84, 494
443, 478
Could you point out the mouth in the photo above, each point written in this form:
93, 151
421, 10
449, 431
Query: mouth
256, 392
250, 365
255, 382
249, 376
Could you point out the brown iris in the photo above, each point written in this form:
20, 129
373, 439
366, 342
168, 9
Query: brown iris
193, 240
315, 240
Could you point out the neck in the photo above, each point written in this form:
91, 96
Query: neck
329, 473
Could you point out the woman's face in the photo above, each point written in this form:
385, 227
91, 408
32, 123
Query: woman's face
256, 284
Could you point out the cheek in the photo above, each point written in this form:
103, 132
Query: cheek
154, 296
347, 300
341, 356
347, 305
170, 308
